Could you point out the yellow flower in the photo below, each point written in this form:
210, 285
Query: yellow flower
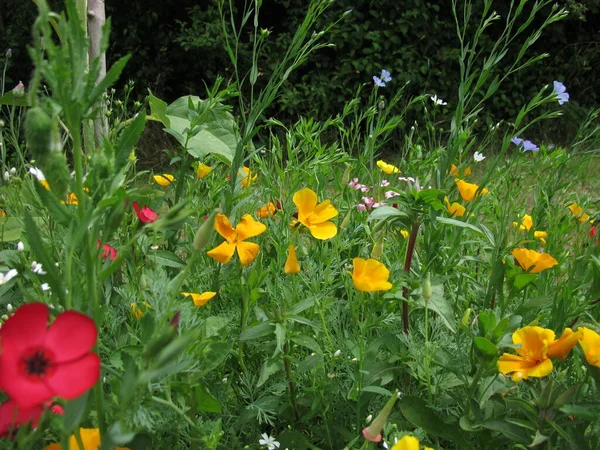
90, 437
532, 359
541, 235
530, 259
200, 299
137, 312
468, 190
247, 228
456, 209
291, 263
578, 211
2, 213
562, 346
71, 199
203, 170
247, 177
315, 217
590, 344
526, 224
387, 168
45, 184
407, 443
370, 275
454, 171
405, 233
264, 212
165, 179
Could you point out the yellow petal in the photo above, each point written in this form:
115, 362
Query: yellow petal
405, 233
590, 344
264, 212
523, 368
456, 209
306, 201
527, 222
222, 253
291, 263
534, 342
323, 212
45, 184
164, 180
224, 228
387, 168
247, 177
468, 190
200, 299
453, 170
247, 252
370, 275
407, 443
541, 235
203, 170
562, 346
532, 261
248, 227
323, 231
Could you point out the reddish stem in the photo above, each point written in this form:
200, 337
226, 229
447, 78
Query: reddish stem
409, 254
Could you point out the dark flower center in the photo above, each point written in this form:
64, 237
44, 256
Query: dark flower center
37, 363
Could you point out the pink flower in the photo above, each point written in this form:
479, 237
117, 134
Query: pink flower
384, 183
145, 215
390, 194
368, 201
353, 183
361, 207
364, 188
378, 204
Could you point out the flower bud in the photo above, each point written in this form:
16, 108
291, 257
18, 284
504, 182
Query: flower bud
466, 316
346, 220
205, 232
346, 175
9, 53
377, 251
19, 90
427, 291
373, 431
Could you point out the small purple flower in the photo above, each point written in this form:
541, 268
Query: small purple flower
361, 207
363, 188
368, 202
561, 92
384, 183
382, 79
527, 146
353, 183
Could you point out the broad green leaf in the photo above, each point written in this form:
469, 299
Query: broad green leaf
485, 346
523, 279
460, 223
270, 366
127, 139
438, 304
260, 330
511, 431
158, 110
205, 401
383, 212
10, 229
377, 390
167, 258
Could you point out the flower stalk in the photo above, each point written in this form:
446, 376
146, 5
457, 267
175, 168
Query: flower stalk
407, 263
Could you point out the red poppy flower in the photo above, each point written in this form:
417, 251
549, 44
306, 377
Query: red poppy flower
39, 362
593, 233
145, 214
108, 251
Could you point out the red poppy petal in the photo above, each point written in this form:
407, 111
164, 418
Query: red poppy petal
71, 336
26, 328
72, 379
24, 391
11, 416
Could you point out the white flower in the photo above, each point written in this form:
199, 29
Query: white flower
37, 268
369, 418
13, 170
20, 246
37, 173
5, 277
9, 307
337, 353
438, 101
45, 287
268, 441
154, 247
478, 156
6, 175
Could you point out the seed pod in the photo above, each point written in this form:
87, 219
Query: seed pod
204, 232
39, 134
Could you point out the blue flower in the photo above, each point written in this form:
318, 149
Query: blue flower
561, 92
382, 79
527, 146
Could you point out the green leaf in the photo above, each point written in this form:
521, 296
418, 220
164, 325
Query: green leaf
10, 99
485, 346
167, 258
10, 229
205, 401
419, 414
260, 330
523, 279
377, 390
214, 324
460, 223
270, 367
118, 435
511, 431
74, 410
158, 110
383, 212
111, 76
438, 304
308, 342
127, 139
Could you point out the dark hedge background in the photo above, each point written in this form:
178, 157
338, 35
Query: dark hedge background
177, 46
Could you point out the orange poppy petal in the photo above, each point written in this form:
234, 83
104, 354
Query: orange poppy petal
247, 252
324, 230
534, 342
407, 443
292, 265
306, 201
561, 347
590, 344
248, 227
224, 228
222, 253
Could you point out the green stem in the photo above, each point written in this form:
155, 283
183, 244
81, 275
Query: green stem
291, 385
407, 263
